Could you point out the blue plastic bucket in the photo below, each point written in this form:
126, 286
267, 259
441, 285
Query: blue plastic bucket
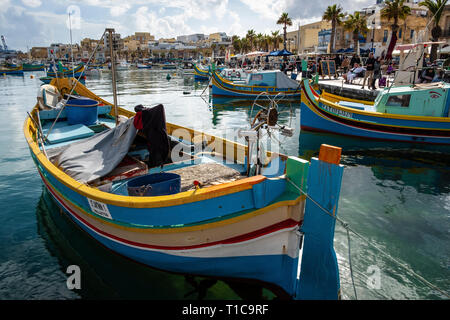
81, 110
155, 184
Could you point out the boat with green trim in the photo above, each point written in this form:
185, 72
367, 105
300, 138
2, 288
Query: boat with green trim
416, 113
63, 72
262, 83
227, 216
33, 67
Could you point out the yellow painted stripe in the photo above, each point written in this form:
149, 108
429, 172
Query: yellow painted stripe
334, 98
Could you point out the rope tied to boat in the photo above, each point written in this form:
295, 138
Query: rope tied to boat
349, 229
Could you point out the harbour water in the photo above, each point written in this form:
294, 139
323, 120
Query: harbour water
396, 197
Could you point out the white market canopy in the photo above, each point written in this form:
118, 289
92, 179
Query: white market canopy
256, 54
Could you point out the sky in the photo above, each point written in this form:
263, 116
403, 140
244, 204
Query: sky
31, 23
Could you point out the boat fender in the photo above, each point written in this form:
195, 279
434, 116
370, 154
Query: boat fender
197, 184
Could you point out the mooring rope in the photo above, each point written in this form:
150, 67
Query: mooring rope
347, 228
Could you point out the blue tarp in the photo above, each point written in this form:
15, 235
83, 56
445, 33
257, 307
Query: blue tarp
284, 52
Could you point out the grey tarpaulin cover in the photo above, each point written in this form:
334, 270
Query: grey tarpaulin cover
95, 157
283, 82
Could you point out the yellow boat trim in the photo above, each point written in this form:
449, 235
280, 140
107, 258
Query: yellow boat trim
334, 98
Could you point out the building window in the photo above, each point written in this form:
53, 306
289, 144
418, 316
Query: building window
411, 36
385, 35
400, 33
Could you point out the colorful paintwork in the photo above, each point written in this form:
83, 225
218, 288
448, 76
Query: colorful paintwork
200, 74
74, 72
223, 87
17, 71
247, 229
381, 120
33, 67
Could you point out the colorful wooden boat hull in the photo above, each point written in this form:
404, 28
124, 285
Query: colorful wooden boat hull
18, 71
320, 114
223, 87
242, 229
75, 72
200, 74
33, 67
47, 80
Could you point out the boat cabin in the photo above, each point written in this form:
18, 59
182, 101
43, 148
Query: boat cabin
271, 79
427, 100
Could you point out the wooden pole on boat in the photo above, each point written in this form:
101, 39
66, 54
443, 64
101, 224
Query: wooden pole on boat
113, 72
323, 188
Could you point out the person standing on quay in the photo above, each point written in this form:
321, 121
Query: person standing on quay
370, 65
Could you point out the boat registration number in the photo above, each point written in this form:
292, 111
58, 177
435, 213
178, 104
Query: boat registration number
99, 208
337, 111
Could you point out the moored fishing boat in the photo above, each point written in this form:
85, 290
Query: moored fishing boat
270, 83
33, 67
200, 73
17, 71
417, 113
67, 72
143, 66
223, 221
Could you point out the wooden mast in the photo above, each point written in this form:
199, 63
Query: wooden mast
113, 72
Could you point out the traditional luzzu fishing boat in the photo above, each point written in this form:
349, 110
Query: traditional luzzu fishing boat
416, 113
33, 67
75, 72
221, 222
17, 71
261, 83
184, 201
200, 73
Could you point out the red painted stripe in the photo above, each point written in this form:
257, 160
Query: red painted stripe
289, 223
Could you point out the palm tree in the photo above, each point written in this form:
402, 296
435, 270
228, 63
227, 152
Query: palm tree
251, 36
245, 45
358, 25
267, 41
284, 19
237, 46
394, 10
334, 14
276, 38
259, 41
435, 8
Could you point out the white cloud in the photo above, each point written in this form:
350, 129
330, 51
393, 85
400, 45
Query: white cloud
117, 11
270, 9
32, 3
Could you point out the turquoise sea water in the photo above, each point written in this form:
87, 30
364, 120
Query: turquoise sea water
396, 197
